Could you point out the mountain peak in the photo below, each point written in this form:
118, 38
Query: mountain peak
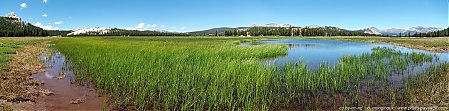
90, 30
422, 29
372, 30
12, 15
397, 31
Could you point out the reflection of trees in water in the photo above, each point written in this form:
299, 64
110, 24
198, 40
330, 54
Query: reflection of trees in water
303, 45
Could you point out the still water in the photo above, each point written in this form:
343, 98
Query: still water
314, 51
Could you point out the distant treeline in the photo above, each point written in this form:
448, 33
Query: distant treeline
13, 27
58, 32
292, 31
441, 33
122, 32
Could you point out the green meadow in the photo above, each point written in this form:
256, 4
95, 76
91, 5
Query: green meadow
176, 73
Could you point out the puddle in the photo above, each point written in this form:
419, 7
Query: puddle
58, 77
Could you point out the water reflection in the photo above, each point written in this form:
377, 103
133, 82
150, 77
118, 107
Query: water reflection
313, 51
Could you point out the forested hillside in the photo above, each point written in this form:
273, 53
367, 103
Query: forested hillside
123, 32
441, 33
14, 27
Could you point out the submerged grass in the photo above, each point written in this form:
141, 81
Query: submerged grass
437, 44
215, 74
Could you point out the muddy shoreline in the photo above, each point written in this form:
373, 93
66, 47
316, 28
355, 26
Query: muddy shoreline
432, 49
40, 78
424, 41
17, 86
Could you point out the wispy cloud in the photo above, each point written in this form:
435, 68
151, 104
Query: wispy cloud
45, 15
183, 27
23, 5
60, 22
46, 27
45, 1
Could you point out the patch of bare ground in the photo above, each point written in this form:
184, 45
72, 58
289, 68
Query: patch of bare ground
31, 83
17, 86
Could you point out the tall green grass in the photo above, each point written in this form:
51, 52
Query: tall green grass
215, 74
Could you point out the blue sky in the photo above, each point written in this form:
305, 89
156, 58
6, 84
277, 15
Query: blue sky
190, 15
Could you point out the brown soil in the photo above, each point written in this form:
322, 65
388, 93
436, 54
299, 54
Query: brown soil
17, 85
37, 80
432, 49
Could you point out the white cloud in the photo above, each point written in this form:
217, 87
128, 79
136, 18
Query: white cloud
45, 15
60, 22
45, 1
163, 26
46, 27
23, 5
151, 25
140, 25
31, 18
183, 27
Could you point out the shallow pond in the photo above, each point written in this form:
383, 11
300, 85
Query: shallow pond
313, 51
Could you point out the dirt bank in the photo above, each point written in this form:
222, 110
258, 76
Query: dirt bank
39, 79
17, 85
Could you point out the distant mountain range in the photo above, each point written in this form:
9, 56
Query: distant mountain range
371, 30
397, 32
12, 25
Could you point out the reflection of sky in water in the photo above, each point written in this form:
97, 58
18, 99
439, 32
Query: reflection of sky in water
313, 51
56, 65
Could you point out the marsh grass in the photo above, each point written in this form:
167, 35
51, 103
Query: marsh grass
215, 74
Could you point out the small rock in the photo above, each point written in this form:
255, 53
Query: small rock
3, 101
47, 92
77, 101
41, 82
60, 77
